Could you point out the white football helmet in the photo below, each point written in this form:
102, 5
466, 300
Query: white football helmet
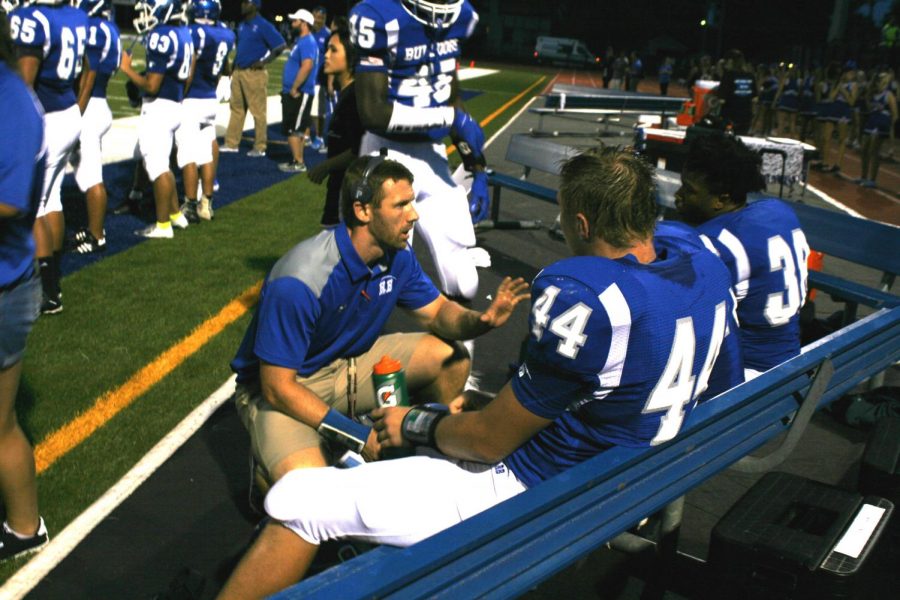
150, 13
439, 14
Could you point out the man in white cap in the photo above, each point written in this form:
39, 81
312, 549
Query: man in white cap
298, 87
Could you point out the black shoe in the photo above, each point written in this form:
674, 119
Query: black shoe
11, 546
51, 306
85, 243
189, 210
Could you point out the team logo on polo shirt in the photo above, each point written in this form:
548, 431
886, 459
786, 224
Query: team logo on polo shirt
386, 285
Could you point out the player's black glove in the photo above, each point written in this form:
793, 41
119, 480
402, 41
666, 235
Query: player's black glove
469, 140
134, 93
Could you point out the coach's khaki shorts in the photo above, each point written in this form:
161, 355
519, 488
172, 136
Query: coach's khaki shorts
274, 435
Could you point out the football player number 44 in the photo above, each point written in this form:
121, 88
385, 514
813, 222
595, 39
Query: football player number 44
677, 385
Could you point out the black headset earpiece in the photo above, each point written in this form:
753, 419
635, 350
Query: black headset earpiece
364, 192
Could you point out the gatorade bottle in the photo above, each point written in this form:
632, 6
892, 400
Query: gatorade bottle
390, 383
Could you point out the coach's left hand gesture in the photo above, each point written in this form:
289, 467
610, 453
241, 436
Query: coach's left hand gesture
509, 293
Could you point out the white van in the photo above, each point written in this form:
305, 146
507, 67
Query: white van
565, 51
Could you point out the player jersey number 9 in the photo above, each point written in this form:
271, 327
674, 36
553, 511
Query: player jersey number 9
782, 306
221, 53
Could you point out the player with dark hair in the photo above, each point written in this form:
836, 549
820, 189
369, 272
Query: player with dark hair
50, 38
22, 169
304, 367
346, 131
625, 336
212, 41
761, 243
170, 54
408, 96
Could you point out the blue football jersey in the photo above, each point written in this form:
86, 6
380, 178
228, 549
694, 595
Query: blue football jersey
170, 52
104, 50
420, 61
766, 251
619, 352
212, 43
60, 32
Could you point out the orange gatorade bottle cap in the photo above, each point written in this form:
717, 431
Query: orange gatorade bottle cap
386, 366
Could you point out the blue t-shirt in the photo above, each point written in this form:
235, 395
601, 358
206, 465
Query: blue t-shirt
170, 52
60, 32
766, 251
305, 48
22, 165
419, 60
256, 39
619, 352
321, 302
104, 51
322, 36
212, 43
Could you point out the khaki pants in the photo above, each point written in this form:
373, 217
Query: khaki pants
248, 90
274, 435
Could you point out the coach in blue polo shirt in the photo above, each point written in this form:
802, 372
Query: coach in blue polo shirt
258, 43
304, 368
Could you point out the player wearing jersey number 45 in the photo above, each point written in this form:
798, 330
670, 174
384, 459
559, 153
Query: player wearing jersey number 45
761, 243
408, 96
625, 337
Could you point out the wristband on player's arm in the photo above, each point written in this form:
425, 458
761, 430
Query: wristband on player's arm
338, 428
408, 119
420, 424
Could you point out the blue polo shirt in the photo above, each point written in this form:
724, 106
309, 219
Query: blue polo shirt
321, 302
256, 39
22, 157
305, 49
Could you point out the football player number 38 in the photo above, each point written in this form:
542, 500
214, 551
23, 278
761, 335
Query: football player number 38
677, 385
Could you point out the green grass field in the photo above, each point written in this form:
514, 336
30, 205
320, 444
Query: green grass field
127, 309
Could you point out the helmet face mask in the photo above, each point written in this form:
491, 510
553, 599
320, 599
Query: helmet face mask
10, 5
438, 14
95, 7
152, 13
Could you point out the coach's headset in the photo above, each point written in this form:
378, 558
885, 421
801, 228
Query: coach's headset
363, 193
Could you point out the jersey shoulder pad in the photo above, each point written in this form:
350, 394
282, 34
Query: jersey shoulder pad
29, 26
375, 26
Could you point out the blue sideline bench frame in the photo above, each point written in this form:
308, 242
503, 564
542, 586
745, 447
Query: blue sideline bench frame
506, 550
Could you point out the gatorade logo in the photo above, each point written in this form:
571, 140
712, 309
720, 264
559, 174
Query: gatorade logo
387, 395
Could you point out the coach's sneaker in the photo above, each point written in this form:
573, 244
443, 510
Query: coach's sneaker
13, 545
227, 149
190, 211
155, 232
205, 210
256, 153
316, 143
292, 167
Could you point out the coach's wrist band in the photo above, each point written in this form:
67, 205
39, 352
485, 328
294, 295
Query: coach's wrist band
335, 427
408, 119
421, 422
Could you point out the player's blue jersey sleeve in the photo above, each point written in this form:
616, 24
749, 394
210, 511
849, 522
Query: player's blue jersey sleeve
369, 33
30, 28
162, 52
418, 289
286, 321
568, 345
104, 47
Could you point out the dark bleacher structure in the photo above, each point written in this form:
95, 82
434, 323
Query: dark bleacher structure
505, 551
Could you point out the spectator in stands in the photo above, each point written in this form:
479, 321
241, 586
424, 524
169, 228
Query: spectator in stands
825, 90
298, 82
843, 97
323, 90
635, 72
879, 125
719, 173
765, 107
735, 92
304, 367
608, 60
787, 100
346, 130
631, 315
258, 44
22, 158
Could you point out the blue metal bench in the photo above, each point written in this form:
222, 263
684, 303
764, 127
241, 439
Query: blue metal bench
506, 550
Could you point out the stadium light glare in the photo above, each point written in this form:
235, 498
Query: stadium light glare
702, 22
279, 18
